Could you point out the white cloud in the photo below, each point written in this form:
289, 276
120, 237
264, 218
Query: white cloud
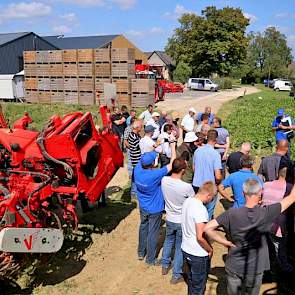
285, 15
69, 17
122, 4
125, 4
144, 33
178, 11
24, 10
251, 17
61, 30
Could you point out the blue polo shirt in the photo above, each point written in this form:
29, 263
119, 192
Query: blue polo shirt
235, 181
148, 187
280, 134
211, 118
206, 160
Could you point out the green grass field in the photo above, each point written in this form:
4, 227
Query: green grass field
250, 118
41, 113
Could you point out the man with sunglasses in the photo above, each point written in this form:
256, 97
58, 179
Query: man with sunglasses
247, 229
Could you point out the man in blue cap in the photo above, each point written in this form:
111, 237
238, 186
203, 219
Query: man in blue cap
148, 178
283, 126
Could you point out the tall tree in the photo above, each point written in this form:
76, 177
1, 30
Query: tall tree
214, 42
268, 54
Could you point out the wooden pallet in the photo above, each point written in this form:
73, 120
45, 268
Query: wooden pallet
70, 69
71, 97
85, 55
124, 99
42, 56
102, 55
87, 98
123, 54
55, 70
71, 84
70, 55
123, 85
43, 83
123, 70
57, 96
42, 70
32, 96
85, 69
143, 85
31, 83
102, 69
142, 100
29, 56
30, 70
56, 84
44, 97
54, 56
86, 84
99, 84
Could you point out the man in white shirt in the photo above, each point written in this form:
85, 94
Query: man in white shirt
154, 121
175, 192
188, 122
147, 144
147, 114
196, 249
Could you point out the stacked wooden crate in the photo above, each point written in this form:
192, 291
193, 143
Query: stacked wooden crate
123, 70
49, 71
102, 64
86, 77
143, 91
70, 70
80, 76
31, 84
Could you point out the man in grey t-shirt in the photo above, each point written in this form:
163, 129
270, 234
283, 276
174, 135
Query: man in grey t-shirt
175, 192
247, 227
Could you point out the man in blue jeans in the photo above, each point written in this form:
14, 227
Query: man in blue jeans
175, 192
151, 203
207, 167
196, 249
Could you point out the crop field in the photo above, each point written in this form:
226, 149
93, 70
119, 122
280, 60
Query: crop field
250, 118
41, 113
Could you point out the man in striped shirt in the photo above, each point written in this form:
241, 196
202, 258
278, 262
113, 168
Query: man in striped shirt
134, 150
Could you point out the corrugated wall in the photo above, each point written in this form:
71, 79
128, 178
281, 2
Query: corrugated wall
11, 54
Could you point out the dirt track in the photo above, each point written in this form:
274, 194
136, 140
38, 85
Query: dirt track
110, 264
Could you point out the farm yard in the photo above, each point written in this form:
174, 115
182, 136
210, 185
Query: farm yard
95, 256
154, 158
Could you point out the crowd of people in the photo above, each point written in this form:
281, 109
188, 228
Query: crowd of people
181, 168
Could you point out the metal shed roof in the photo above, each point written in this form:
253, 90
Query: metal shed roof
8, 37
79, 42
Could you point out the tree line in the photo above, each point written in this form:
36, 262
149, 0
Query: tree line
216, 42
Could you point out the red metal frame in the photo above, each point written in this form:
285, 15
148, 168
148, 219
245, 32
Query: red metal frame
68, 160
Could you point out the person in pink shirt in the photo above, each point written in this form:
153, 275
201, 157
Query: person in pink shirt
274, 192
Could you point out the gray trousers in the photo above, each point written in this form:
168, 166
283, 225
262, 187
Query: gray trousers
238, 285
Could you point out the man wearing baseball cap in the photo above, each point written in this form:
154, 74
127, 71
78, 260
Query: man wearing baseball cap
147, 144
188, 122
283, 126
154, 121
151, 203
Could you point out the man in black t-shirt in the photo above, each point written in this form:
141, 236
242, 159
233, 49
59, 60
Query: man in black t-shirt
118, 125
234, 160
247, 228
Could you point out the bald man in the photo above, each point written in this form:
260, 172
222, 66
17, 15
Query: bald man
234, 159
208, 113
270, 166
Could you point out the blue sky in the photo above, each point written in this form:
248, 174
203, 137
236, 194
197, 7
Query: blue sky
147, 23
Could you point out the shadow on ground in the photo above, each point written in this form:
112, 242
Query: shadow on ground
68, 262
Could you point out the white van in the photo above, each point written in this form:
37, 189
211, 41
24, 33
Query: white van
201, 84
282, 85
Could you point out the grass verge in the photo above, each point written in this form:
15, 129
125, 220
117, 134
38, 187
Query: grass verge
250, 118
